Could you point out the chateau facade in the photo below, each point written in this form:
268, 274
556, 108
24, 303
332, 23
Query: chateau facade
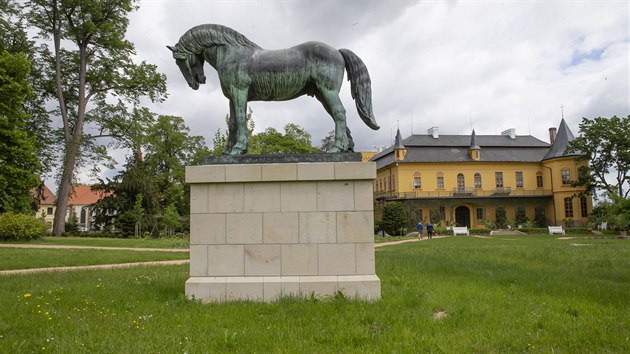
467, 179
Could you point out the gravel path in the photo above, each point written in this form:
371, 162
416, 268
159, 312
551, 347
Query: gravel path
92, 267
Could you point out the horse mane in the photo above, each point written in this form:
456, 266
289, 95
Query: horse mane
198, 38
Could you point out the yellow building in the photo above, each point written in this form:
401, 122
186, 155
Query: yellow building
466, 179
45, 199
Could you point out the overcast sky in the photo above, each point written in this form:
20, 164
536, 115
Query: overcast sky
457, 65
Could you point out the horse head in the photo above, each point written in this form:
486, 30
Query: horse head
191, 66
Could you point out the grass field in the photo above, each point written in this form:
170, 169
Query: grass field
22, 258
174, 242
497, 295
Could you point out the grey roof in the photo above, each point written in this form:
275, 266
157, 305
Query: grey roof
454, 148
563, 137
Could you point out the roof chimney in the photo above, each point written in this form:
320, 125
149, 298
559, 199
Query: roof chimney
552, 135
434, 131
509, 132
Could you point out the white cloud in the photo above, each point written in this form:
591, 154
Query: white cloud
449, 64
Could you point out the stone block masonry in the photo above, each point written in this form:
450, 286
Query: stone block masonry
264, 230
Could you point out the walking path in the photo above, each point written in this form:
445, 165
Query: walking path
97, 266
127, 265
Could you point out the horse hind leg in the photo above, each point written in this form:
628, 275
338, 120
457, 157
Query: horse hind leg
331, 102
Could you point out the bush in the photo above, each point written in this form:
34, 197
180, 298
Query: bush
501, 219
479, 231
540, 220
19, 227
394, 219
520, 217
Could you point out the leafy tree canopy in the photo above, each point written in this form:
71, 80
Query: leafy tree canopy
605, 144
294, 140
89, 70
19, 163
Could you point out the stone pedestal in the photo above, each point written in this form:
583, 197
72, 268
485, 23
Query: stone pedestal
263, 230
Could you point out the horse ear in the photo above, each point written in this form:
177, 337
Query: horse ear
171, 48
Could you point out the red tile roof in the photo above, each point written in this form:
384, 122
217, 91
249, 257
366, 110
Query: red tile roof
83, 195
46, 197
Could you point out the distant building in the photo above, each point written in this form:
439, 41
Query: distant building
466, 178
46, 202
80, 202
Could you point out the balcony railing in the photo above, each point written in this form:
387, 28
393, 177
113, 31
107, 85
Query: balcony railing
465, 193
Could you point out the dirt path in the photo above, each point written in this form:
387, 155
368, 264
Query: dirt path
92, 267
383, 244
97, 266
127, 265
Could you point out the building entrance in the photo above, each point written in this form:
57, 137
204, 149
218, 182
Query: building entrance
462, 216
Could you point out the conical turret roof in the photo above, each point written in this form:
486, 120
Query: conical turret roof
563, 138
398, 144
473, 141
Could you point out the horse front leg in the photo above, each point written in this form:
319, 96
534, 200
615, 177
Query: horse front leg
239, 104
231, 138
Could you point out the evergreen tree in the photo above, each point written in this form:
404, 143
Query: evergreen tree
394, 219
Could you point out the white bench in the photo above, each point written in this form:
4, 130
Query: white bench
556, 230
460, 230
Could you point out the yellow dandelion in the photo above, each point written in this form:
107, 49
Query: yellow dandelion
28, 295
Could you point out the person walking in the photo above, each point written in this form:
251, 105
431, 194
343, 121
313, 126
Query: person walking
430, 230
419, 227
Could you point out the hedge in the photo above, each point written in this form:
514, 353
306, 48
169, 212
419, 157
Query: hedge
20, 227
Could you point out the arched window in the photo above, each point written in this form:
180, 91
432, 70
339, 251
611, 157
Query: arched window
440, 180
477, 180
461, 182
417, 181
83, 216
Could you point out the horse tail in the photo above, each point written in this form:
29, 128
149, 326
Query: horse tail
360, 86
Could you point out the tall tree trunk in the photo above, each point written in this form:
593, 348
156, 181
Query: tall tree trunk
65, 187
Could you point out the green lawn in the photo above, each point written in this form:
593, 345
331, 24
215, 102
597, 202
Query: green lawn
22, 258
174, 242
499, 294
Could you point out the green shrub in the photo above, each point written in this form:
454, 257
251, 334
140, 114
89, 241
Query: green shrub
19, 227
534, 230
540, 220
500, 218
394, 219
578, 231
479, 231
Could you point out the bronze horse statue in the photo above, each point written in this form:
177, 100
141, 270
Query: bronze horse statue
250, 73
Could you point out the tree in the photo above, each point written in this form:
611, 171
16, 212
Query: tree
500, 218
328, 141
19, 164
604, 143
394, 219
294, 140
170, 220
24, 131
89, 67
520, 216
540, 220
161, 148
169, 149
